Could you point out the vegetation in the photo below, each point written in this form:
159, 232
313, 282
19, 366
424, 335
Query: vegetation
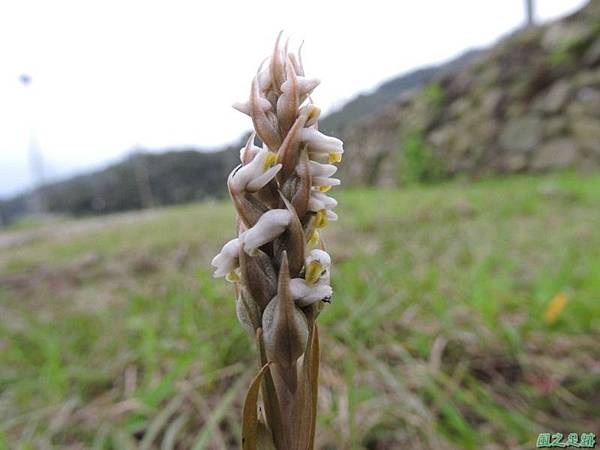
141, 180
434, 96
114, 335
418, 163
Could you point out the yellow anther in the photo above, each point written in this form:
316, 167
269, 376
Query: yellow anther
313, 272
270, 160
314, 238
321, 218
313, 113
232, 276
324, 188
335, 157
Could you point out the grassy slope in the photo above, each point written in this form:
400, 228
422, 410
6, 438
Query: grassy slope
114, 335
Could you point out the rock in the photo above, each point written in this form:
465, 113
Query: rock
586, 131
490, 101
587, 78
564, 35
555, 126
442, 137
592, 54
459, 108
556, 154
555, 98
587, 103
515, 110
522, 134
515, 162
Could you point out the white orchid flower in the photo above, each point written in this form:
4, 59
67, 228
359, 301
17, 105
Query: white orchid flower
323, 217
254, 175
314, 286
227, 261
321, 144
319, 200
270, 226
322, 204
317, 266
321, 175
306, 294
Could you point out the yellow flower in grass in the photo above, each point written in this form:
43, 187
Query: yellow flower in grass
555, 308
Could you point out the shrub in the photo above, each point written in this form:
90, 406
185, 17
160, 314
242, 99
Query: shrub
418, 163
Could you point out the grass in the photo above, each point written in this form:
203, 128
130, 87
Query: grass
113, 335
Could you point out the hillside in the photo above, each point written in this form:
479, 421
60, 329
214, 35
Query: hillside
389, 92
531, 103
141, 180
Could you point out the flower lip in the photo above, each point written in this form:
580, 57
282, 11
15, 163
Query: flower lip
306, 294
323, 181
227, 260
321, 170
321, 143
269, 226
319, 200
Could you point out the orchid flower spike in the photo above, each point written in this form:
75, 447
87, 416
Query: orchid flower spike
276, 263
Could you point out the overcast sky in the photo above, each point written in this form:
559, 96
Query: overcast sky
114, 74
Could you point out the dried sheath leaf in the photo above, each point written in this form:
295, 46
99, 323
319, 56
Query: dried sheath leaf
269, 395
314, 360
250, 412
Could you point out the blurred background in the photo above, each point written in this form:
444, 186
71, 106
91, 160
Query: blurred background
466, 311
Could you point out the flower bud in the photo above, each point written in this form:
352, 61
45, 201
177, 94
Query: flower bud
285, 327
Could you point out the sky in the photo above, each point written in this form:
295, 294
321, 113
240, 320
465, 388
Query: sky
113, 75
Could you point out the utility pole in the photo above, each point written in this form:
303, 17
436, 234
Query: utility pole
36, 162
530, 12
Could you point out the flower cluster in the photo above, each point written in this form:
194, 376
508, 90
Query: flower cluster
280, 191
280, 188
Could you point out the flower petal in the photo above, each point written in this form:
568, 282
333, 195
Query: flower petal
227, 259
321, 170
319, 200
305, 294
270, 225
320, 143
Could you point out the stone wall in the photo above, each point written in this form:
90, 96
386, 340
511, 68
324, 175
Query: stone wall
531, 103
